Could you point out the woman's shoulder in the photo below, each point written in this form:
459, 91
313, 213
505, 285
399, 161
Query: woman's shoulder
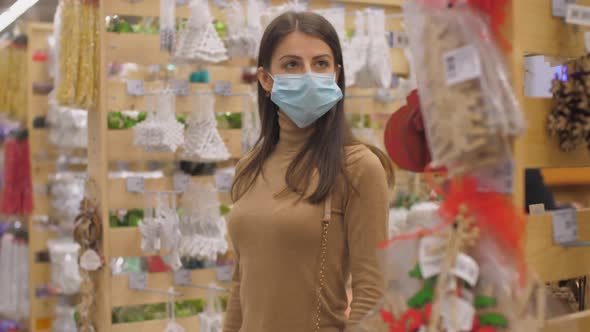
359, 159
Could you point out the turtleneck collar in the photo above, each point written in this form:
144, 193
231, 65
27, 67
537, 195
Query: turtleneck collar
291, 137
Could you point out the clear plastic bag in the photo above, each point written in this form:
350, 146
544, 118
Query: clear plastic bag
468, 105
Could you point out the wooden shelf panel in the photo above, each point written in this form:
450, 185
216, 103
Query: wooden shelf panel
44, 307
120, 143
576, 176
125, 242
120, 198
119, 100
579, 321
536, 31
38, 239
144, 49
536, 149
122, 295
40, 274
189, 323
552, 262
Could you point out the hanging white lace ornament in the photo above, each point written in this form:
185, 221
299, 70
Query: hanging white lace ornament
66, 191
337, 17
65, 272
149, 228
203, 228
172, 325
250, 124
355, 50
199, 42
170, 235
64, 319
203, 142
212, 318
254, 27
378, 61
167, 24
272, 12
236, 30
160, 131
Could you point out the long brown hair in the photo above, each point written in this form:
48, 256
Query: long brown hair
324, 151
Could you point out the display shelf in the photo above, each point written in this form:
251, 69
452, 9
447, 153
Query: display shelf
122, 295
42, 310
579, 321
575, 176
122, 148
189, 323
118, 99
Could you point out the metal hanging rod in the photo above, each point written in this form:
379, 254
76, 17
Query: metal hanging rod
217, 289
156, 291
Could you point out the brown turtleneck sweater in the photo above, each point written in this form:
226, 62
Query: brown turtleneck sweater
277, 243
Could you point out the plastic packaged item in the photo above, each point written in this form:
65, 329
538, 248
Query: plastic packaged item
469, 109
64, 319
65, 271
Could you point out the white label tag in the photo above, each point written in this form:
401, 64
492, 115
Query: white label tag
137, 280
224, 273
222, 88
577, 14
587, 41
457, 314
467, 269
461, 65
183, 277
536, 208
560, 7
224, 179
565, 226
498, 178
430, 255
180, 87
135, 184
135, 87
399, 39
181, 181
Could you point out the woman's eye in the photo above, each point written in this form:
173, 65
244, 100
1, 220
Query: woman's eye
323, 64
291, 65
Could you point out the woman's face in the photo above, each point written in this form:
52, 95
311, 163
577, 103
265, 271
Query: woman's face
299, 53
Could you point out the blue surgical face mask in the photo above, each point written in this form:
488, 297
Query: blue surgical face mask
305, 98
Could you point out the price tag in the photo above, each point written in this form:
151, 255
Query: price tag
135, 184
181, 87
560, 7
181, 181
222, 88
183, 277
137, 280
498, 178
399, 39
457, 314
577, 14
135, 87
467, 269
224, 179
225, 273
565, 226
430, 255
462, 64
587, 41
536, 208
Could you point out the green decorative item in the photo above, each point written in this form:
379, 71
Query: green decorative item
416, 273
493, 319
482, 302
424, 296
224, 209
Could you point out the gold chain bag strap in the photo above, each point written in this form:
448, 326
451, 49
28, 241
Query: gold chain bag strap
324, 248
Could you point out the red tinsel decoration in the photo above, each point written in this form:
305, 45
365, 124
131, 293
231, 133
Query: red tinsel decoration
495, 10
17, 193
494, 213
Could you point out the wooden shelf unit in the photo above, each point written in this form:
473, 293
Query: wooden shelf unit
533, 30
42, 165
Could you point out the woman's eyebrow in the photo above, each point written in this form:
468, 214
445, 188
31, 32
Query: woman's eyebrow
322, 56
291, 56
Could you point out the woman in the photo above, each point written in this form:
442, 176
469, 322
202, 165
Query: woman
311, 204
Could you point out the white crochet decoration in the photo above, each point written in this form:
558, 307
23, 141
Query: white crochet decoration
66, 190
167, 24
270, 13
202, 227
203, 142
199, 42
160, 227
64, 320
250, 124
378, 60
172, 325
212, 318
68, 127
14, 278
160, 131
355, 50
337, 17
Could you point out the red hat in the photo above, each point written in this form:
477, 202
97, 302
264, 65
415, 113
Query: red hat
405, 138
